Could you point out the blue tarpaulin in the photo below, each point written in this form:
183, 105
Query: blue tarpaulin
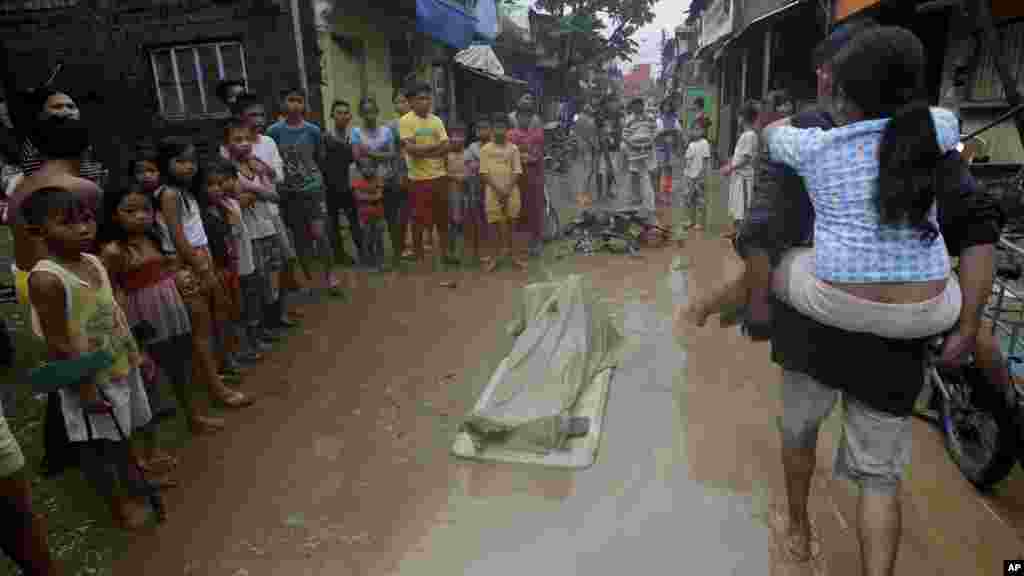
486, 20
445, 22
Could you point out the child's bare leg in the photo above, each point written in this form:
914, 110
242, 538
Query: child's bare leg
472, 236
500, 245
759, 286
728, 296
417, 241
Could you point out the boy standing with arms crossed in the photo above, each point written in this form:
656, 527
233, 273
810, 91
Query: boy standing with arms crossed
425, 143
302, 191
500, 169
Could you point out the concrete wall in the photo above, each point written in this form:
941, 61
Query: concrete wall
345, 74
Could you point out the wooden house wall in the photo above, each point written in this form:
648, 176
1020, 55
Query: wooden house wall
105, 46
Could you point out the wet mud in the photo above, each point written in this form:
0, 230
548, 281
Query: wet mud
343, 466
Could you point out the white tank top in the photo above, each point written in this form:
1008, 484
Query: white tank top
191, 221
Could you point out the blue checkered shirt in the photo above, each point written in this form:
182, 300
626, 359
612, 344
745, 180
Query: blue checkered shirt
840, 169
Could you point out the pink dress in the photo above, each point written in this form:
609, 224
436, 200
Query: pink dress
532, 185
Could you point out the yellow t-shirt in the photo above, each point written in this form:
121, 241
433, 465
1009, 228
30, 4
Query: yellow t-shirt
427, 131
502, 164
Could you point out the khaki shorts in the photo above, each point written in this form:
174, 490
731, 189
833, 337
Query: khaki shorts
497, 213
11, 458
875, 447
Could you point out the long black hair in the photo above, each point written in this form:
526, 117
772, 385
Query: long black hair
882, 71
170, 148
110, 230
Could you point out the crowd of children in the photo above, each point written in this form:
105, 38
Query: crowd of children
181, 275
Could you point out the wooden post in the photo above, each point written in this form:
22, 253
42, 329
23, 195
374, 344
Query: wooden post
1013, 98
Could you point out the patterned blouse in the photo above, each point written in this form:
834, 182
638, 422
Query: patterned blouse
840, 169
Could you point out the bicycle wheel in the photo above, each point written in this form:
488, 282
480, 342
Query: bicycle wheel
979, 427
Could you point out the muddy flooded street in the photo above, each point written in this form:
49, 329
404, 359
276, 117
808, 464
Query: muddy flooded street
344, 467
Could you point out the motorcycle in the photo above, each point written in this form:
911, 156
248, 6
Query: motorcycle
979, 427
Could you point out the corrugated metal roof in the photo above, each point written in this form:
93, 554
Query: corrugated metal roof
35, 5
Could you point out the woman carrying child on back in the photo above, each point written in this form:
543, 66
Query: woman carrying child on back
879, 263
145, 276
75, 310
180, 220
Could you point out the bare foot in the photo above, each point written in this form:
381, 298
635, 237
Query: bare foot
206, 425
130, 513
798, 544
696, 314
520, 263
490, 265
159, 462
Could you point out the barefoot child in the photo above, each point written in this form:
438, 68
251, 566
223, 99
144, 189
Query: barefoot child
500, 168
455, 164
425, 143
367, 185
73, 303
698, 162
473, 205
179, 218
255, 184
145, 275
231, 250
301, 146
741, 168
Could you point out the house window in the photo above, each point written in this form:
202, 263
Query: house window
187, 76
984, 83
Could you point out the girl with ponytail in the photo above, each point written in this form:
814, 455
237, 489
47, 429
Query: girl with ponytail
879, 263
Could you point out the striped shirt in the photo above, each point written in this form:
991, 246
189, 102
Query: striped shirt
31, 160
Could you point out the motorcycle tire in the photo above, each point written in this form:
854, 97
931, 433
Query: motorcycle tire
982, 436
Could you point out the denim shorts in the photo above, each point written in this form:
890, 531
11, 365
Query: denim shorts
875, 448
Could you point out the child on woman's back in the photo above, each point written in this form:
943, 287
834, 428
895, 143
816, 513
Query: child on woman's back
77, 314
